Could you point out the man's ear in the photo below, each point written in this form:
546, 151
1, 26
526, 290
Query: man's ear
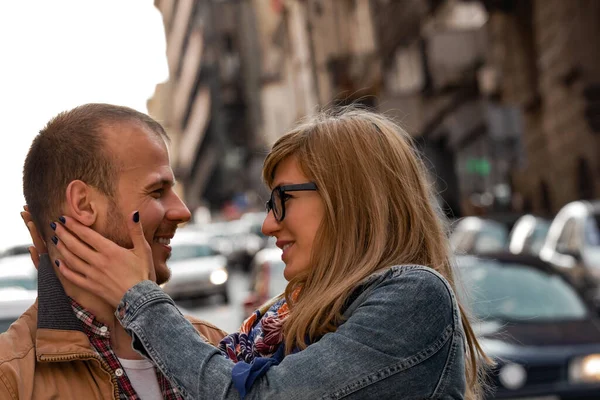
82, 202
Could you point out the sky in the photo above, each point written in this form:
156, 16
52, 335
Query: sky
58, 54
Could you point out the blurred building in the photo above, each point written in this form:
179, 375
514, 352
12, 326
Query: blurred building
503, 96
207, 105
547, 56
313, 54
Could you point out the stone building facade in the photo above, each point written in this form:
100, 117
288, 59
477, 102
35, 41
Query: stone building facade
546, 53
503, 96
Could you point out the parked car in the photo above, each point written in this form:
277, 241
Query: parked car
14, 302
18, 288
238, 240
17, 271
474, 235
266, 278
534, 324
15, 250
528, 234
573, 244
197, 268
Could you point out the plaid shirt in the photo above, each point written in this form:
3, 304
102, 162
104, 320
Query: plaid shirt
99, 336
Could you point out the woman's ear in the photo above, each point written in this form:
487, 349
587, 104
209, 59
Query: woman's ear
82, 202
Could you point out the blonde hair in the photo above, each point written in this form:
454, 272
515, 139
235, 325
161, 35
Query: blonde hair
380, 211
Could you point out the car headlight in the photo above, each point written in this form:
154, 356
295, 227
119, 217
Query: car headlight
218, 276
585, 369
512, 376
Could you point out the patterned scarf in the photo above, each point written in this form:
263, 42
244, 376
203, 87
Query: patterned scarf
261, 333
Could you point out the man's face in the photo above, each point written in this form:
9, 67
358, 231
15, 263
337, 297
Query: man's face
145, 183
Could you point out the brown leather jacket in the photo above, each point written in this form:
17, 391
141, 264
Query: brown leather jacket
45, 354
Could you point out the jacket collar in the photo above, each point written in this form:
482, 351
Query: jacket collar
55, 311
58, 329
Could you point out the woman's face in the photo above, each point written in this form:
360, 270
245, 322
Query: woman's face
304, 211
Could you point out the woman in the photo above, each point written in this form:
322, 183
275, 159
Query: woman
369, 311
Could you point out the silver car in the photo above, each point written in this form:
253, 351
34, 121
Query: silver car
528, 234
573, 245
18, 288
197, 268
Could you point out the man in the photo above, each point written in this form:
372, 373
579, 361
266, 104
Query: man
97, 163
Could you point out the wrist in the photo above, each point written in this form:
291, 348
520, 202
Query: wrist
137, 298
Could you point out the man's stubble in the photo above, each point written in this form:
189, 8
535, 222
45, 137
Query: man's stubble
117, 232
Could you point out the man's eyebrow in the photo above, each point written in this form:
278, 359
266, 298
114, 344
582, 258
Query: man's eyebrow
161, 182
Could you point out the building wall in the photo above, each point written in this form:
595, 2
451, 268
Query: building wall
544, 55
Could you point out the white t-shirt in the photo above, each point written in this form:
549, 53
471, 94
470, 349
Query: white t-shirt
143, 378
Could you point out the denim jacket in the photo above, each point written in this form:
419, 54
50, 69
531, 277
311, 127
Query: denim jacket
402, 339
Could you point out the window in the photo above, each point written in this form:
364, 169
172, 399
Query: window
568, 240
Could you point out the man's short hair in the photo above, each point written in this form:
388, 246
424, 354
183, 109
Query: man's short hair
72, 146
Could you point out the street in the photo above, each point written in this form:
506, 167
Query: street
225, 316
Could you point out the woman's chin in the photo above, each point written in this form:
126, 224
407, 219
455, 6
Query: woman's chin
289, 272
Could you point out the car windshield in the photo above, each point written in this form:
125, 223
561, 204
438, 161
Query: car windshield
189, 251
5, 323
18, 282
516, 292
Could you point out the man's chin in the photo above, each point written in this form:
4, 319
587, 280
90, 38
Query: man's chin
161, 270
163, 274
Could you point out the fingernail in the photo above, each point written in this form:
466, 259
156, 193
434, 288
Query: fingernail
136, 217
57, 263
55, 240
53, 226
62, 220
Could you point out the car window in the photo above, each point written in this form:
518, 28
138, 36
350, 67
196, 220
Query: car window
5, 324
591, 230
591, 248
518, 292
491, 239
566, 240
19, 282
462, 241
189, 251
538, 236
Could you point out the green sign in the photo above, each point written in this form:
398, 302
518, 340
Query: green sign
479, 166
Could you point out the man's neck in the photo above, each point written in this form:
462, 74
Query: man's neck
103, 312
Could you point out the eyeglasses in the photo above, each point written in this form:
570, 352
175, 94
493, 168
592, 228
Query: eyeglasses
277, 201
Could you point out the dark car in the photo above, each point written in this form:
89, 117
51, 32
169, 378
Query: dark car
534, 324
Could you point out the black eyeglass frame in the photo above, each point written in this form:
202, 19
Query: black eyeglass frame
280, 190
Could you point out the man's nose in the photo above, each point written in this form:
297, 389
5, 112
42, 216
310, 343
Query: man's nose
178, 211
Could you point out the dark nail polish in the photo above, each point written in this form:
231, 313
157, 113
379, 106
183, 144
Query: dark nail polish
53, 226
62, 220
136, 217
55, 240
57, 263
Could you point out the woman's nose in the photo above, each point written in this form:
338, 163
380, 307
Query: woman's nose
270, 225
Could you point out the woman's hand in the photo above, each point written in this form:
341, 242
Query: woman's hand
39, 246
95, 263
